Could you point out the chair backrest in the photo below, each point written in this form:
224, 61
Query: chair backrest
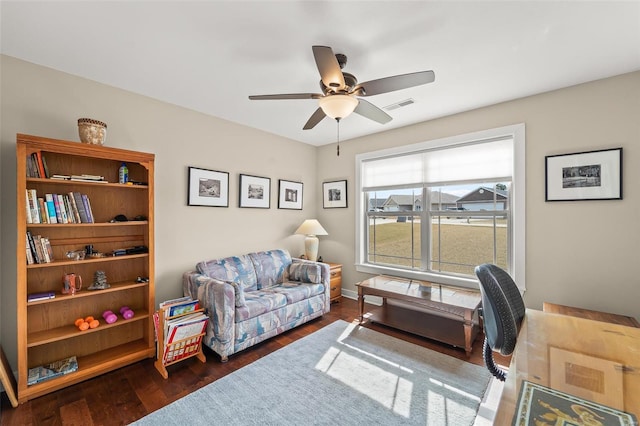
502, 306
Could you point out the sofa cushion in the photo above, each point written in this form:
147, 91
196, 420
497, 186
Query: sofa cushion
236, 268
305, 272
295, 291
259, 302
270, 267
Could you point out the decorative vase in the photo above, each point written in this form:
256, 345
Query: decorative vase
92, 131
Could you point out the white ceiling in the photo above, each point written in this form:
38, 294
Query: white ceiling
209, 56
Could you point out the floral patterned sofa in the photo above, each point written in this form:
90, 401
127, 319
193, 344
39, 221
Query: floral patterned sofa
256, 296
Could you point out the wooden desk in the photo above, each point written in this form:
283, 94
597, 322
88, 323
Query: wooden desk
589, 314
443, 313
549, 345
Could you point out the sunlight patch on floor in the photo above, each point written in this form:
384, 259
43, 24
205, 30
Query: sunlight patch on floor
388, 389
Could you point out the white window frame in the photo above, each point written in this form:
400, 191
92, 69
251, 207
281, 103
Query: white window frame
518, 243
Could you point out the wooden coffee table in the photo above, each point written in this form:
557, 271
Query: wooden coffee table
443, 313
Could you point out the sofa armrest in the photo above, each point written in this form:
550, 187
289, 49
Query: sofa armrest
218, 299
325, 279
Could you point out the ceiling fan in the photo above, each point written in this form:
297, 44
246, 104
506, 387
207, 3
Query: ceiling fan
341, 91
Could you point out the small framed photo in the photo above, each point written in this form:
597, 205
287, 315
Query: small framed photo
334, 194
289, 195
255, 192
208, 188
591, 175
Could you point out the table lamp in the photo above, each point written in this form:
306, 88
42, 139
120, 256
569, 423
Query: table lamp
311, 228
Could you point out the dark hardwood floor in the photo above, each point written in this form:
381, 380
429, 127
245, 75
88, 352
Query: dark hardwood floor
125, 395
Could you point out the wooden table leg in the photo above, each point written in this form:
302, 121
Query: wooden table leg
361, 303
468, 328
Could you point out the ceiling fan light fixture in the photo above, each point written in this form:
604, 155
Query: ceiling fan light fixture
338, 106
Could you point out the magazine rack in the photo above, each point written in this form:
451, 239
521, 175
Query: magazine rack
180, 349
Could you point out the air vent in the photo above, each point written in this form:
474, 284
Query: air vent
399, 104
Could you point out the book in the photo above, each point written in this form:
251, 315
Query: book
63, 209
182, 308
32, 197
52, 370
41, 296
185, 327
29, 206
41, 172
30, 259
32, 247
87, 206
47, 249
45, 252
43, 213
56, 204
51, 208
74, 208
61, 177
80, 206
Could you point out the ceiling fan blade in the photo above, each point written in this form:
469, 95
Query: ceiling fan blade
393, 83
314, 119
329, 67
372, 112
285, 96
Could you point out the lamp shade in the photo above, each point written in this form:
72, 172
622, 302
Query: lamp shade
338, 106
311, 227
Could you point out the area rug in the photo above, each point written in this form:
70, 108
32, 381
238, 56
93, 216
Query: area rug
342, 374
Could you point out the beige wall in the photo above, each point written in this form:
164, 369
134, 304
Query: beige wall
577, 253
44, 102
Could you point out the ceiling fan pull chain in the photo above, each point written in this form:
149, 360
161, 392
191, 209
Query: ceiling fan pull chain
338, 146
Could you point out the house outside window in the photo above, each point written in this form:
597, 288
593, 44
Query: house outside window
435, 210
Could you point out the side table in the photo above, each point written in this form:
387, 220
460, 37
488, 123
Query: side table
336, 281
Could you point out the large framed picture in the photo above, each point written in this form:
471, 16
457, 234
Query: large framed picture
255, 191
334, 194
289, 195
591, 175
208, 188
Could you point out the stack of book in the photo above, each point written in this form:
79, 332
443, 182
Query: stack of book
37, 166
80, 178
39, 249
73, 207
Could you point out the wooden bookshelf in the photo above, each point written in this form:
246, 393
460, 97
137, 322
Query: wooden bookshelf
46, 330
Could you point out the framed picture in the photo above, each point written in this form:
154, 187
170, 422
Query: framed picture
591, 175
255, 192
289, 195
208, 188
334, 194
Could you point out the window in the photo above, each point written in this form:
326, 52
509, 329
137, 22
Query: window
437, 209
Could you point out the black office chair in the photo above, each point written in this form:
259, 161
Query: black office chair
502, 312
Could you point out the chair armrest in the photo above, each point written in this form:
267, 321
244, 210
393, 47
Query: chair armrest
218, 299
325, 279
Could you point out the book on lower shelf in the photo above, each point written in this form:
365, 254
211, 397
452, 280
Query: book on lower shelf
41, 296
52, 370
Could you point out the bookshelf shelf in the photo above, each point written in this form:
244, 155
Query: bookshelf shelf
71, 331
92, 365
57, 263
59, 297
45, 328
